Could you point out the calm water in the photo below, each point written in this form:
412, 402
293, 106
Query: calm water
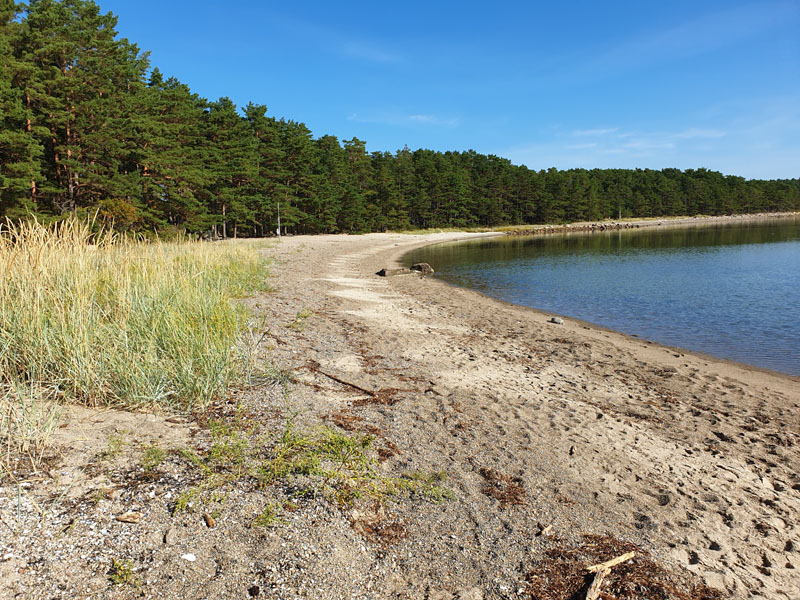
732, 291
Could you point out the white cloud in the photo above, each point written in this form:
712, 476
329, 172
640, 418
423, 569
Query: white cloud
593, 132
388, 118
581, 146
693, 133
343, 43
648, 144
762, 142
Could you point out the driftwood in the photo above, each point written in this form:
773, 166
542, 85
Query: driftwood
314, 366
611, 563
594, 589
602, 571
392, 272
544, 530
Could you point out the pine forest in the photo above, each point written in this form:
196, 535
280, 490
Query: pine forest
88, 126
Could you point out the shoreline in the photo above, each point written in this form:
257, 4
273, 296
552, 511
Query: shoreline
664, 222
398, 260
703, 379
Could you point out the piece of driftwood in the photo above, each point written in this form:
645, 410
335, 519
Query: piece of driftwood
601, 571
313, 366
594, 590
611, 563
393, 272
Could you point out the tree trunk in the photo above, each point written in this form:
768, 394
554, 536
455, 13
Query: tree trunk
224, 223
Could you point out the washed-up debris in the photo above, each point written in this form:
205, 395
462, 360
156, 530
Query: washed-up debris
130, 517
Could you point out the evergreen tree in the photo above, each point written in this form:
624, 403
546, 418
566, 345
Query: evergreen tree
233, 164
20, 151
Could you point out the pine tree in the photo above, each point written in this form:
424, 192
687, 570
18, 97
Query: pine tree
20, 151
77, 87
233, 163
266, 185
297, 174
170, 153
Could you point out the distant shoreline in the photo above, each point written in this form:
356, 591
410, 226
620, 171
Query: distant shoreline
612, 225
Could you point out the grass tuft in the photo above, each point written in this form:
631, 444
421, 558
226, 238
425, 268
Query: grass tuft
101, 319
121, 573
310, 463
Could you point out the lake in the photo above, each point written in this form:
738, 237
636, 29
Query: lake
729, 290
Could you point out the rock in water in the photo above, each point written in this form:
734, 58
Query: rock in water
557, 320
422, 268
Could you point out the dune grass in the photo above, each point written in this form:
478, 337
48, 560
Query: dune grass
102, 319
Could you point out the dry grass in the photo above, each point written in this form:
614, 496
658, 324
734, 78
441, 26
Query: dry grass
92, 317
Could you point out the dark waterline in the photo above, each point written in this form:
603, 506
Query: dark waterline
732, 290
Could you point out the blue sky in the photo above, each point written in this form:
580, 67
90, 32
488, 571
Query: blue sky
565, 84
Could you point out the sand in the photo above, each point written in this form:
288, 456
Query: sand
695, 458
546, 433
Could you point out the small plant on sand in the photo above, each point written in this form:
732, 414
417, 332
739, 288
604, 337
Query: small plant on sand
114, 446
341, 464
29, 415
428, 485
152, 458
186, 500
121, 573
269, 517
301, 320
229, 445
330, 464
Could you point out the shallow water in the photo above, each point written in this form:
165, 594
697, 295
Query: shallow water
732, 290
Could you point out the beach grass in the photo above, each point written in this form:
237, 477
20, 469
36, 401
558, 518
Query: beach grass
98, 318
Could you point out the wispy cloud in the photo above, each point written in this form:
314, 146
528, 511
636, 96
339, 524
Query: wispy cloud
694, 133
605, 147
760, 140
697, 36
341, 43
593, 132
614, 140
365, 51
405, 119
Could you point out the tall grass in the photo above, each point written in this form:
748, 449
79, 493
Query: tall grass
105, 319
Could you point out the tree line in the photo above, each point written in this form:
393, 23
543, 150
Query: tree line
88, 126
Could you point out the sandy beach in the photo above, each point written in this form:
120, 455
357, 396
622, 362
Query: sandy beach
552, 437
694, 458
